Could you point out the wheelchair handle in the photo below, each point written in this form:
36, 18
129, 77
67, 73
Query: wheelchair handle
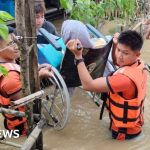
50, 38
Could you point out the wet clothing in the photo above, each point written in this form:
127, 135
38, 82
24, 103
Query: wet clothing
10, 85
125, 101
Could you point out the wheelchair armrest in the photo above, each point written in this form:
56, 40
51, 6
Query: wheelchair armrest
50, 38
96, 32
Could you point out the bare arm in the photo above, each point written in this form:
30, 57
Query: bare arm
97, 85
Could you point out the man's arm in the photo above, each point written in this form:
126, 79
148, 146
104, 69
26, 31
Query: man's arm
97, 85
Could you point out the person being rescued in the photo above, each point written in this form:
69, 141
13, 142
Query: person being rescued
75, 29
126, 87
10, 85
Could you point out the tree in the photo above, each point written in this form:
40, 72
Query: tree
25, 24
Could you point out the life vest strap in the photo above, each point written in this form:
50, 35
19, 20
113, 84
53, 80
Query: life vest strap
121, 119
104, 97
125, 112
14, 118
122, 105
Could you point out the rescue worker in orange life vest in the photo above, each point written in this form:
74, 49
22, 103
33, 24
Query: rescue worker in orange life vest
126, 87
10, 85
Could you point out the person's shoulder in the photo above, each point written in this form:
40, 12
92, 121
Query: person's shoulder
11, 82
47, 23
49, 27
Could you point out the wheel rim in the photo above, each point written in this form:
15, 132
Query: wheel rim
56, 105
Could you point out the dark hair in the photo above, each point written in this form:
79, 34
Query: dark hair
131, 39
39, 7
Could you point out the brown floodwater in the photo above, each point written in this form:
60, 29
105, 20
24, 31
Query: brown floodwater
85, 131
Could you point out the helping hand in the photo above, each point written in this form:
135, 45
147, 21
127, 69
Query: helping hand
45, 71
75, 47
115, 38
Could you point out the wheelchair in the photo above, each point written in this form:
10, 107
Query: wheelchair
52, 50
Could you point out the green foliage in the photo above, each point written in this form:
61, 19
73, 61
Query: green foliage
4, 16
3, 31
3, 70
66, 4
127, 7
87, 11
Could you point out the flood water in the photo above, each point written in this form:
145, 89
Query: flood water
85, 131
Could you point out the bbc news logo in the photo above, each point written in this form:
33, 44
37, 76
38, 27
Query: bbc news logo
9, 133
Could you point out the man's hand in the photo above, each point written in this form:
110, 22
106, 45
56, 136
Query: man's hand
115, 38
72, 46
48, 66
45, 71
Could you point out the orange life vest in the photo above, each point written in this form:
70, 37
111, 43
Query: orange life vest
127, 114
12, 121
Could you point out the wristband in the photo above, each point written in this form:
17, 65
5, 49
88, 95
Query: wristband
77, 61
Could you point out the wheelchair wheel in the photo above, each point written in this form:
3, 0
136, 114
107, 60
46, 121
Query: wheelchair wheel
56, 105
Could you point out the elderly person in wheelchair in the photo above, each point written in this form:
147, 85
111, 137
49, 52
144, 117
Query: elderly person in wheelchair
96, 47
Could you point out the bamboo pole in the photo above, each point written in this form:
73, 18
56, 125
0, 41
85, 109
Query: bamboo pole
138, 25
34, 135
10, 143
12, 112
27, 99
